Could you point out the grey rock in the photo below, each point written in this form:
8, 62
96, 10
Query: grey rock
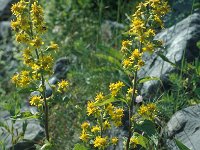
5, 6
177, 39
33, 133
5, 30
107, 28
184, 125
120, 134
61, 67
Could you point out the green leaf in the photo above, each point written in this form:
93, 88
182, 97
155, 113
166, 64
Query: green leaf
80, 147
2, 124
110, 100
180, 145
24, 126
148, 127
148, 78
110, 59
165, 58
143, 141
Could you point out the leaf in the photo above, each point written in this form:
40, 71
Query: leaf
165, 58
143, 141
6, 127
110, 100
180, 145
80, 147
110, 59
24, 126
148, 127
148, 78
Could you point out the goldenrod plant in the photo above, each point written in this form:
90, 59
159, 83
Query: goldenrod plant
30, 27
145, 23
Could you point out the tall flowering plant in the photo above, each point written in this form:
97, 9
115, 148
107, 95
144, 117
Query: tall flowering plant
29, 27
143, 27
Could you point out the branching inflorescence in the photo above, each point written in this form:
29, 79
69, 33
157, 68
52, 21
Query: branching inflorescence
29, 27
145, 23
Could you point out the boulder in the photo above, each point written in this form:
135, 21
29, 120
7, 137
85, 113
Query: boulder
184, 125
5, 6
179, 42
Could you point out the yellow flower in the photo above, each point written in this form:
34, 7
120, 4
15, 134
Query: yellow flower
127, 63
115, 87
85, 125
143, 110
100, 142
99, 97
24, 79
36, 9
84, 136
46, 63
106, 125
63, 85
117, 116
125, 45
134, 142
35, 67
14, 24
36, 101
37, 42
117, 123
114, 140
158, 20
130, 91
91, 108
18, 8
22, 38
110, 109
23, 22
27, 56
140, 63
95, 129
53, 46
150, 33
137, 24
15, 78
148, 111
136, 54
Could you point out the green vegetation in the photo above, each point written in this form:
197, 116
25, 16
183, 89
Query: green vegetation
89, 33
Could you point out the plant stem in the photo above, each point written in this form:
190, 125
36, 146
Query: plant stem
131, 110
46, 108
46, 113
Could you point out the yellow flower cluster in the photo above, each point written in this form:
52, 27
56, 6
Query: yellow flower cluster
100, 142
29, 26
62, 86
115, 140
145, 21
148, 111
115, 88
36, 101
22, 79
84, 135
107, 116
99, 97
91, 108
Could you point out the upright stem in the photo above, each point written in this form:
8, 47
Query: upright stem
131, 110
45, 104
46, 108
